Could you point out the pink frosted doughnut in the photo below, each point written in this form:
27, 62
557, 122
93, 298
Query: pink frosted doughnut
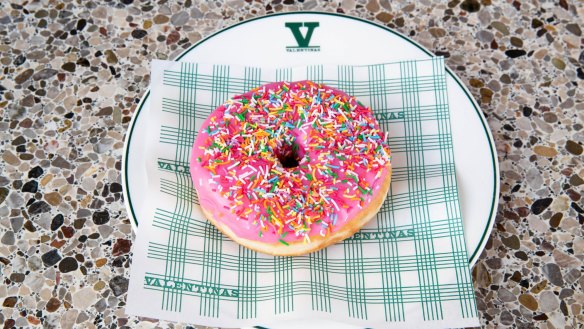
290, 168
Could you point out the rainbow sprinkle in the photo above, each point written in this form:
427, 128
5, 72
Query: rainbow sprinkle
288, 156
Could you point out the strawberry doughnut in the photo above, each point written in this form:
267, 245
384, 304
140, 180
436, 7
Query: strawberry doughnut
290, 168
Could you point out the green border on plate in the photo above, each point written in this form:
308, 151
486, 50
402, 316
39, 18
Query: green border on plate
466, 91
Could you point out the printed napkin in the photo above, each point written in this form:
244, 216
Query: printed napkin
408, 267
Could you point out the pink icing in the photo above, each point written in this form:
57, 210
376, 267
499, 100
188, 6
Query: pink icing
341, 154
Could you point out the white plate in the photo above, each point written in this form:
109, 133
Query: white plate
267, 42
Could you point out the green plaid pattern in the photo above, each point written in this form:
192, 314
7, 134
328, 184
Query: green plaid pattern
409, 265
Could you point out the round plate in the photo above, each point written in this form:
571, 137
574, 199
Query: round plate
306, 38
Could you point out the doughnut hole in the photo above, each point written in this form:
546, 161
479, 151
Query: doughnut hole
289, 153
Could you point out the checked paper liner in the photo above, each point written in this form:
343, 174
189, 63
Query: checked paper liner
407, 267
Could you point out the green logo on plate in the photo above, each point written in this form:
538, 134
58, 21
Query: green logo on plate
303, 41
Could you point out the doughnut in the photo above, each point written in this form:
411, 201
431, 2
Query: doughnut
289, 168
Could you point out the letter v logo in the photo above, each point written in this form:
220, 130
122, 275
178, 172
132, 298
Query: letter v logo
303, 41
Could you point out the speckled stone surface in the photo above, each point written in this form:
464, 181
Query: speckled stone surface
73, 72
